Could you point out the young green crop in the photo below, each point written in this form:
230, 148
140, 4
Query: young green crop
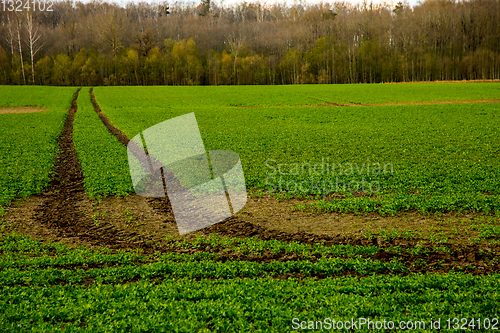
28, 141
245, 305
255, 246
102, 157
204, 269
54, 287
168, 97
381, 159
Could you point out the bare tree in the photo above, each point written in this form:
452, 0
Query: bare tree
111, 30
258, 9
236, 45
10, 36
18, 27
32, 38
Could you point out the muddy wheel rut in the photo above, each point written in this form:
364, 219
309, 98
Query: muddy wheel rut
115, 131
160, 205
62, 208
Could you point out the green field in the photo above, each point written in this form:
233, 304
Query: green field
438, 158
28, 141
103, 159
423, 157
83, 290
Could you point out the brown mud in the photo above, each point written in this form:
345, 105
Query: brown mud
472, 101
448, 81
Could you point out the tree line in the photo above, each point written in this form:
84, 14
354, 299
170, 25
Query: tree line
98, 43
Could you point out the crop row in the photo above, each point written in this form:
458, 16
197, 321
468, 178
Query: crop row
205, 269
393, 203
252, 246
102, 157
255, 246
245, 305
22, 252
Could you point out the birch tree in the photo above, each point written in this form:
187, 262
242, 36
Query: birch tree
10, 36
18, 28
32, 38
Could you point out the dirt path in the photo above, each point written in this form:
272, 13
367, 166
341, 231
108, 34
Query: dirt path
472, 101
350, 103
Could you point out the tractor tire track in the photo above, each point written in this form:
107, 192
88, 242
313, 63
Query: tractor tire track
160, 205
65, 201
115, 131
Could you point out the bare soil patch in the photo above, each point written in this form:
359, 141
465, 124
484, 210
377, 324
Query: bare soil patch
120, 223
21, 109
131, 223
472, 101
350, 103
448, 81
271, 213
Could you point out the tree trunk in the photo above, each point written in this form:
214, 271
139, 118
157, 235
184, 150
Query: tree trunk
32, 38
18, 33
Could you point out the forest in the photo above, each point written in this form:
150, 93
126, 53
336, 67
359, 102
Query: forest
97, 43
